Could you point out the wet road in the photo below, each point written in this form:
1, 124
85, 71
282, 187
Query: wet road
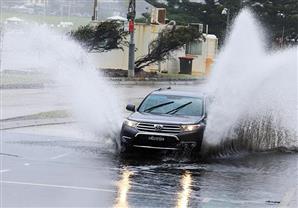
39, 170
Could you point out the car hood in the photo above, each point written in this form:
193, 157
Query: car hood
168, 119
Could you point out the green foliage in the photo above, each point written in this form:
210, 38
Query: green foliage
141, 20
270, 13
185, 11
103, 36
168, 40
146, 17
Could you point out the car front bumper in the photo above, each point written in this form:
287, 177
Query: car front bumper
132, 137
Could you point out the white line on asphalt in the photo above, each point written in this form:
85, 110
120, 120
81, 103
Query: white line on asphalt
59, 156
57, 186
4, 171
74, 187
26, 164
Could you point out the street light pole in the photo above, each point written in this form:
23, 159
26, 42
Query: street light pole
226, 11
282, 15
228, 20
131, 56
283, 35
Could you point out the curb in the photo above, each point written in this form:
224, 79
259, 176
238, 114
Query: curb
117, 81
32, 123
21, 86
155, 82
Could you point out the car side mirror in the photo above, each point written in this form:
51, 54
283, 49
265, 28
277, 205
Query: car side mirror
131, 107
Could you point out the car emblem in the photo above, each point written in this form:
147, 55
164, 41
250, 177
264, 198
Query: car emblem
158, 127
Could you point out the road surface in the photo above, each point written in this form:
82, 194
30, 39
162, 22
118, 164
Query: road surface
63, 165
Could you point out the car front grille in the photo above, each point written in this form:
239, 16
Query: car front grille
164, 128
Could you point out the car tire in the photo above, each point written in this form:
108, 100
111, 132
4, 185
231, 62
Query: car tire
124, 149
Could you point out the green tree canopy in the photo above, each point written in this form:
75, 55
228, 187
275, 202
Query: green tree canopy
210, 12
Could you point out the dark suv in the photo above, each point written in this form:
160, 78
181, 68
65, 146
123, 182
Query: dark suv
165, 120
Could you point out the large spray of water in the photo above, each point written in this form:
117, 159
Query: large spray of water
254, 91
92, 99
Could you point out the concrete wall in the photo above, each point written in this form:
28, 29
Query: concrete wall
144, 34
202, 63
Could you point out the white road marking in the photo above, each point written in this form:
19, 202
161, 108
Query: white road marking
58, 186
26, 164
74, 187
4, 171
59, 156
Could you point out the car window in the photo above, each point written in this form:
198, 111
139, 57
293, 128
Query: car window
175, 105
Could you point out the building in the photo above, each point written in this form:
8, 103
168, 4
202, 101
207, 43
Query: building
203, 52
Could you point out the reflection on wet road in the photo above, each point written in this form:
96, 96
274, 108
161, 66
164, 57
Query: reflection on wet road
123, 188
70, 172
183, 196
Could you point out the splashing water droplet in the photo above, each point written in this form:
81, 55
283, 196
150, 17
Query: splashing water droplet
92, 99
254, 91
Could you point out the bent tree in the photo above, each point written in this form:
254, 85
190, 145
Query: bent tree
167, 41
101, 37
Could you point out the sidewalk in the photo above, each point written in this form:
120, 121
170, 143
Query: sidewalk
37, 119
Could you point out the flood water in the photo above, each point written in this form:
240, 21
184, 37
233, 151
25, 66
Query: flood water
69, 172
248, 180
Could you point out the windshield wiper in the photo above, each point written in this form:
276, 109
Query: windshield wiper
157, 106
178, 108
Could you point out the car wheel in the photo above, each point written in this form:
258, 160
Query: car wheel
125, 149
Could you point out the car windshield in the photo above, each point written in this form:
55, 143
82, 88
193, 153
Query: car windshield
172, 105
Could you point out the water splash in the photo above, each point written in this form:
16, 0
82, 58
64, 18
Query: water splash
254, 91
92, 99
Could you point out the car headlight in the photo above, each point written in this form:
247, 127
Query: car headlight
130, 123
190, 127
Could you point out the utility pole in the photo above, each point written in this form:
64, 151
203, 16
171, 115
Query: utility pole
131, 19
69, 10
94, 16
1, 41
